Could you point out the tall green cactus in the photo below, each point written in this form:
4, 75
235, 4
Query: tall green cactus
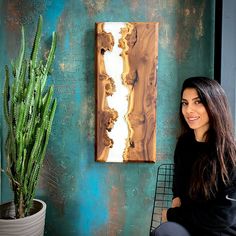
29, 110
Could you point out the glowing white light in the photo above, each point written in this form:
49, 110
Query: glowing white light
119, 100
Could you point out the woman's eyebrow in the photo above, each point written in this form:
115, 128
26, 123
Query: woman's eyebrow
193, 99
196, 98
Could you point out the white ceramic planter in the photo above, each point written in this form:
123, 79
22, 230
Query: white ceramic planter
32, 225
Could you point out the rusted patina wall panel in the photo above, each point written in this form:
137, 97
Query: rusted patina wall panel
85, 197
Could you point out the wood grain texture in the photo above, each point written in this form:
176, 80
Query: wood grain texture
139, 43
142, 81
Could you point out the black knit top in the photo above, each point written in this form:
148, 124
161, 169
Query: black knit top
201, 217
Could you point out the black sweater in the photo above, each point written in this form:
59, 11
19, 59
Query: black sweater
213, 217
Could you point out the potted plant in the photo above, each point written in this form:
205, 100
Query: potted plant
29, 109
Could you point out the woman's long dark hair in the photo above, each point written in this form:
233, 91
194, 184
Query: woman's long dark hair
220, 136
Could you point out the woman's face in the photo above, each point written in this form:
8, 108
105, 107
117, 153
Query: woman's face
195, 113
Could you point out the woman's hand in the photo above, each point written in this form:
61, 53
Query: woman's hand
164, 215
176, 202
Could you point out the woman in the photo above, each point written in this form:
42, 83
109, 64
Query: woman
204, 186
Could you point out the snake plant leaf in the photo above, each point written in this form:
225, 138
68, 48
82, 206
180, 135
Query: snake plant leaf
19, 61
48, 130
6, 95
37, 40
50, 58
19, 154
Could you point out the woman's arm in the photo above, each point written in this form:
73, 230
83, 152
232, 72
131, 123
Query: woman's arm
216, 214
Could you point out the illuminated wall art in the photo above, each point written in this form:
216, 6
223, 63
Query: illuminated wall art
126, 91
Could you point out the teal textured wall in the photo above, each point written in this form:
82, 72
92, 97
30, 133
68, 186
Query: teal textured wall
84, 197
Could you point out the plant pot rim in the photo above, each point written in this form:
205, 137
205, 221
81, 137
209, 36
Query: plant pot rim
32, 216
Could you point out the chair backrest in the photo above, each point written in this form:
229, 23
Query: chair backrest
163, 193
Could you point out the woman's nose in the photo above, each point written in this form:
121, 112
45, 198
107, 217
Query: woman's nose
189, 109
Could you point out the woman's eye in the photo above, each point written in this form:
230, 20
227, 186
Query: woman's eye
198, 102
183, 104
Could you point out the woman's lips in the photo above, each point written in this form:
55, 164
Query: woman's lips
192, 119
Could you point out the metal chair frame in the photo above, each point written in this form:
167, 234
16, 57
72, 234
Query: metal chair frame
163, 193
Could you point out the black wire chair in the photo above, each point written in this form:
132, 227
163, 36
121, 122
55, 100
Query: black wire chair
163, 193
